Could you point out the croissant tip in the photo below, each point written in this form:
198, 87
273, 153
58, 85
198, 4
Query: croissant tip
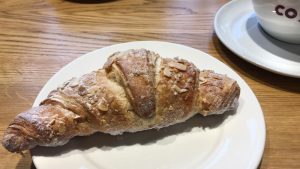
15, 143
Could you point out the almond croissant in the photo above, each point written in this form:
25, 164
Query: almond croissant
136, 90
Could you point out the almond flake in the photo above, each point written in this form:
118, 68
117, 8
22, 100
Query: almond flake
202, 80
183, 90
102, 105
178, 66
77, 117
179, 90
167, 72
51, 122
74, 82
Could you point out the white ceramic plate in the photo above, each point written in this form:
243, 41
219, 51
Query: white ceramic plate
234, 140
237, 27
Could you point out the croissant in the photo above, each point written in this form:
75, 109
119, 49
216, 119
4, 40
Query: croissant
136, 90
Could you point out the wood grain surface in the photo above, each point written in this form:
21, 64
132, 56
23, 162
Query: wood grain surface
38, 37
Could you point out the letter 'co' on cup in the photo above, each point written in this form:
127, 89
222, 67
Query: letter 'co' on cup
279, 18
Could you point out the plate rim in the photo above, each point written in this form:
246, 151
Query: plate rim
263, 132
237, 52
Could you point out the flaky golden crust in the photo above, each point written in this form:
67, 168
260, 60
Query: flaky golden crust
136, 71
218, 93
136, 90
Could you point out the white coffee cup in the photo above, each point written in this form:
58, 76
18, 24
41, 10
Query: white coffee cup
279, 18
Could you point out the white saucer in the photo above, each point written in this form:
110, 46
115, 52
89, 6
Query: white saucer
237, 27
228, 141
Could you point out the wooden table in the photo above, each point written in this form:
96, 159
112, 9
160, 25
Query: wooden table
38, 37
